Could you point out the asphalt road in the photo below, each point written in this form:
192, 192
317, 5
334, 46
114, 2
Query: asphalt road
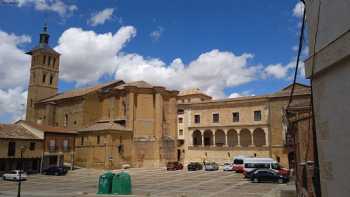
145, 182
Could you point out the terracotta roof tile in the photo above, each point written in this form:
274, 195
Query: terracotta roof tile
49, 129
104, 126
139, 84
79, 92
15, 131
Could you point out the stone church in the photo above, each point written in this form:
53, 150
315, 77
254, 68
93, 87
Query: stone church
117, 122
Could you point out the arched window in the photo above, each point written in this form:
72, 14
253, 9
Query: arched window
197, 138
220, 138
232, 138
245, 137
208, 138
259, 137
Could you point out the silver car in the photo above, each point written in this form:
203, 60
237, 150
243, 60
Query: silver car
14, 175
211, 166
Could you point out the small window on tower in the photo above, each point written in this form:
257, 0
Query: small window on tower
65, 123
44, 78
54, 62
51, 79
44, 59
49, 61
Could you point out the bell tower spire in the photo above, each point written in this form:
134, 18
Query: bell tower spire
43, 80
44, 36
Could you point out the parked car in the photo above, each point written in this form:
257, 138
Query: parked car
194, 166
280, 169
268, 175
228, 166
211, 166
55, 170
248, 175
14, 175
174, 165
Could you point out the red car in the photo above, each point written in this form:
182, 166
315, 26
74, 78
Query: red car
174, 165
281, 170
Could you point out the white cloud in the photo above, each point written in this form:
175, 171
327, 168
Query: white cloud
237, 95
99, 52
14, 64
298, 9
57, 6
212, 71
276, 70
13, 104
156, 34
101, 17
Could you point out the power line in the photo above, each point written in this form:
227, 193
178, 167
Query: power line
301, 39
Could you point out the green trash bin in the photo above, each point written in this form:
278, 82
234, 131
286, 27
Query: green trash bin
105, 183
121, 184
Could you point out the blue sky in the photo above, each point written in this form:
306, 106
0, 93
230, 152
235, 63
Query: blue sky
248, 45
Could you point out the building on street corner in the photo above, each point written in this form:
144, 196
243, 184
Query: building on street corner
13, 138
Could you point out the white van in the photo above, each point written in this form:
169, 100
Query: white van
258, 163
238, 163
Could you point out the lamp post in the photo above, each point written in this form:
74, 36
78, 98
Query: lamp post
23, 148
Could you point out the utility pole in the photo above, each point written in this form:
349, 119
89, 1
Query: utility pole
20, 173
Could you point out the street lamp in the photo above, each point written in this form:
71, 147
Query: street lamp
23, 148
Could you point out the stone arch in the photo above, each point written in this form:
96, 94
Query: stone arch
197, 138
208, 138
259, 137
219, 138
245, 137
232, 138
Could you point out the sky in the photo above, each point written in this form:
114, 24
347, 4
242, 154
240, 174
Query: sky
227, 48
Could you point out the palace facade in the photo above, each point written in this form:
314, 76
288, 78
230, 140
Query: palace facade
218, 130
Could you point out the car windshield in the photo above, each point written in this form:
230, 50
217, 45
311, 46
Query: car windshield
238, 161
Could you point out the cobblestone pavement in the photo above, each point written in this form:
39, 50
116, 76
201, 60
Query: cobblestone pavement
145, 182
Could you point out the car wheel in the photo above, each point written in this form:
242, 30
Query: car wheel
56, 174
280, 181
256, 180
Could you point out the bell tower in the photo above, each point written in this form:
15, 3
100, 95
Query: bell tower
44, 71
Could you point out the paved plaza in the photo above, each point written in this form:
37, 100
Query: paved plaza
145, 182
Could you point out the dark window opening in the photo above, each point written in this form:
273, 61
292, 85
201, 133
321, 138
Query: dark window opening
235, 117
181, 132
82, 141
51, 79
197, 119
49, 60
32, 146
44, 78
216, 118
98, 139
180, 111
257, 115
180, 120
54, 62
65, 124
11, 149
44, 59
